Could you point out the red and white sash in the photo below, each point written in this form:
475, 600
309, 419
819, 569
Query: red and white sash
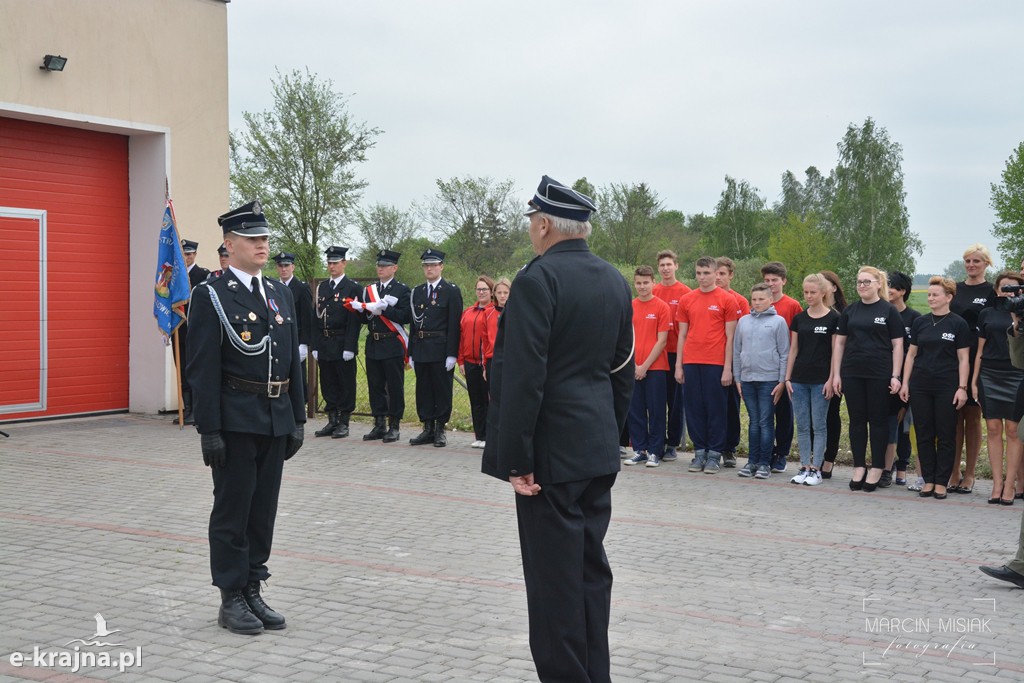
403, 336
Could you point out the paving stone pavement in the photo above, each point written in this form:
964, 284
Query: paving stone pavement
400, 563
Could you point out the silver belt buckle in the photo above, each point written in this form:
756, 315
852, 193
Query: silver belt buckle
274, 389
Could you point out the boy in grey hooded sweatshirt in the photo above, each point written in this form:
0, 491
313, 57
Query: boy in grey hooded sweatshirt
760, 351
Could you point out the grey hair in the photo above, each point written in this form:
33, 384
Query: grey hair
569, 227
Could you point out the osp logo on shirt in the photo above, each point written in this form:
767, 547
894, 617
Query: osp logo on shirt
651, 316
948, 336
880, 321
980, 301
821, 329
713, 307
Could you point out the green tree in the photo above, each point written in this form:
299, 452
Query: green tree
627, 217
803, 246
1008, 203
869, 220
481, 220
955, 271
741, 225
383, 226
300, 159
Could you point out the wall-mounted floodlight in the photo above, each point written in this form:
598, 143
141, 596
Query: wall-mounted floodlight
53, 63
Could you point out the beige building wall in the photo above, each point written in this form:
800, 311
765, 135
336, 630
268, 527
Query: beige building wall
156, 71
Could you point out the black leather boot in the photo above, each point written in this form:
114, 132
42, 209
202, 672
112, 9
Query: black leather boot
235, 614
272, 621
186, 409
440, 440
341, 431
332, 424
378, 430
426, 436
393, 433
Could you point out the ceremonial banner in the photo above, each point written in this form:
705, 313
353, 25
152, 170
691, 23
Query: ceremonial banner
172, 290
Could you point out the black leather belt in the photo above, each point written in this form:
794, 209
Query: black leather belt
377, 336
334, 333
423, 334
269, 389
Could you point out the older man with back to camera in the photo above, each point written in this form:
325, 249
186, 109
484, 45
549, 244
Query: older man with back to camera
557, 408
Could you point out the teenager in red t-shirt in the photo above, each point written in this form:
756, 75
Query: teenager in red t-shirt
706, 319
774, 274
670, 290
651, 322
725, 269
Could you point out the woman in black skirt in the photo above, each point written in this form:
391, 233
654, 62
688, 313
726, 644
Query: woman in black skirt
994, 384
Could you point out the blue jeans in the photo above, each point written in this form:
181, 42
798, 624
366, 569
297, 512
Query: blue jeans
811, 410
758, 398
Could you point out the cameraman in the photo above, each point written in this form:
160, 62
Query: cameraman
1013, 571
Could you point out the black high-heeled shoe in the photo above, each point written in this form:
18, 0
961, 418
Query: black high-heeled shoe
828, 475
858, 484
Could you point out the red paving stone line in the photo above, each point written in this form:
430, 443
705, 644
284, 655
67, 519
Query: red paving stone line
491, 583
509, 506
32, 673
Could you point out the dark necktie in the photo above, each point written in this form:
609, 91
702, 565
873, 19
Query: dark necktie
256, 291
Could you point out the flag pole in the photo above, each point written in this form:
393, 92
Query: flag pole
177, 380
177, 345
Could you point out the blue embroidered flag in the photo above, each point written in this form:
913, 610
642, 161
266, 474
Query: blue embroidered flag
172, 290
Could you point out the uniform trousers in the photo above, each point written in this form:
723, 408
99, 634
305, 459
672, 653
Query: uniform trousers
245, 495
568, 579
706, 411
647, 413
385, 384
867, 402
1017, 563
479, 398
338, 384
935, 427
433, 392
676, 425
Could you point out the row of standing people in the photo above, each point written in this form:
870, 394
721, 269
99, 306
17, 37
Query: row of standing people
779, 355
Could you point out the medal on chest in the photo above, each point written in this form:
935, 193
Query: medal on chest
277, 313
246, 335
252, 316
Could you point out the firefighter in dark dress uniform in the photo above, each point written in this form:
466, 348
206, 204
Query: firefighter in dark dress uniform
222, 254
337, 342
243, 364
196, 274
434, 347
557, 407
385, 306
303, 307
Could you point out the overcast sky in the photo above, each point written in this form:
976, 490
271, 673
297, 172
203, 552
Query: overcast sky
674, 94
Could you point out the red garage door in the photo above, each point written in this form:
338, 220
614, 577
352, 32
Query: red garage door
63, 271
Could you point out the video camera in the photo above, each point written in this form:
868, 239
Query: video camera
1015, 303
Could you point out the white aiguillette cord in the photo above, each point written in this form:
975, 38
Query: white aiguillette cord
236, 341
632, 347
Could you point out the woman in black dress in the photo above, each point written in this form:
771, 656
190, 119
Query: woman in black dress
995, 383
973, 295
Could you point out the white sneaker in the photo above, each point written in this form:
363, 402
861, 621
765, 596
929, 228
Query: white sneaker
475, 444
483, 444
813, 478
801, 476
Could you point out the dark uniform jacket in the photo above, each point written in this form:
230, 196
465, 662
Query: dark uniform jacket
557, 409
337, 330
303, 310
212, 357
438, 319
380, 344
195, 277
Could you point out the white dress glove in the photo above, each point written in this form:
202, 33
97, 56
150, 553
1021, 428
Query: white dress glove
391, 299
375, 307
315, 356
303, 351
449, 363
348, 355
357, 305
411, 366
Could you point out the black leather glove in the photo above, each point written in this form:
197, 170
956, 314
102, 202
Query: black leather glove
294, 442
215, 451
